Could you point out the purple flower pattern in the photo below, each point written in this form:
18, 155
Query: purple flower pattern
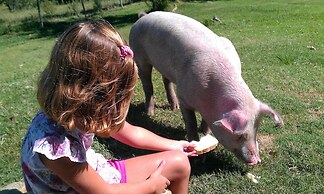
46, 137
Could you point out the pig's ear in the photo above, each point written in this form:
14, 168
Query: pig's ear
234, 121
265, 109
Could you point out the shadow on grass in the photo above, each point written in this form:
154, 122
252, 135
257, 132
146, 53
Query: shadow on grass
122, 20
138, 117
10, 191
50, 29
53, 28
217, 161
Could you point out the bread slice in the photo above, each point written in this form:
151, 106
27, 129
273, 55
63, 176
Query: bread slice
205, 144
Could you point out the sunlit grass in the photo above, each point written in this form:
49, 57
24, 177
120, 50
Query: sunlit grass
282, 52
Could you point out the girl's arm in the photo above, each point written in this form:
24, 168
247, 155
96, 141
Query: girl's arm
139, 137
84, 179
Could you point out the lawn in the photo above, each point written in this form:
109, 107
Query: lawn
281, 46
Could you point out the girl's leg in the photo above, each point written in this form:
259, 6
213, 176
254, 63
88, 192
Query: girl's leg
176, 169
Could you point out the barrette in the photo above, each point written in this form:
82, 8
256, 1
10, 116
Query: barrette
126, 51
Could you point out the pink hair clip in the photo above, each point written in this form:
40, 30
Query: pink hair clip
126, 51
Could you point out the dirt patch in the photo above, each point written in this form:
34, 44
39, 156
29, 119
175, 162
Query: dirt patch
266, 144
316, 113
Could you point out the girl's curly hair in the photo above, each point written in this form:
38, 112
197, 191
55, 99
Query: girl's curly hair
86, 82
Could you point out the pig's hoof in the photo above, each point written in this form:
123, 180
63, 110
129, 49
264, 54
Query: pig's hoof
175, 106
150, 112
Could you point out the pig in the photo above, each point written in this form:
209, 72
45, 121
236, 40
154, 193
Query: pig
206, 70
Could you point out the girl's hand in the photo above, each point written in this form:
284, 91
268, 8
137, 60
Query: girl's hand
186, 147
161, 183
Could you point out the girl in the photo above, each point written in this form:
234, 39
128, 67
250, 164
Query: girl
85, 90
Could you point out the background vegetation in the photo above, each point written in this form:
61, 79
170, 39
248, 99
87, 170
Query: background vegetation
281, 47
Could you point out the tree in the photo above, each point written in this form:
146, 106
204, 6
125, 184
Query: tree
83, 7
40, 14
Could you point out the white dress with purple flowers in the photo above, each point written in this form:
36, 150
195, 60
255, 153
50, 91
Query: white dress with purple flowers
46, 137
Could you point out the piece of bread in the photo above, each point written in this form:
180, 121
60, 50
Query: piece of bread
205, 144
167, 192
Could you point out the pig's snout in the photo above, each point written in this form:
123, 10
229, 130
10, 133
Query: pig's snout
254, 160
249, 157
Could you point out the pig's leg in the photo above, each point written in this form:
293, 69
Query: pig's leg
189, 118
204, 127
172, 97
145, 73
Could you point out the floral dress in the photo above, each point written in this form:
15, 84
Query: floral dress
46, 137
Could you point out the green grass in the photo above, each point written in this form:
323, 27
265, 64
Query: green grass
274, 40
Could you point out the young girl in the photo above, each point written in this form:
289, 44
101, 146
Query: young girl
85, 90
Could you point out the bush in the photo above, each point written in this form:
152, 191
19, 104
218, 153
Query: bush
158, 5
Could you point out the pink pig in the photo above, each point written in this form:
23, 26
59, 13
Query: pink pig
207, 72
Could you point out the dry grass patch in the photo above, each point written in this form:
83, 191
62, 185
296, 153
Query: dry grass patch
266, 144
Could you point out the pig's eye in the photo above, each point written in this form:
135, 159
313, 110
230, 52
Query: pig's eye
242, 136
238, 137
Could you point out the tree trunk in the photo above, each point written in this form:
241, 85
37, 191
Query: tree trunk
83, 7
40, 14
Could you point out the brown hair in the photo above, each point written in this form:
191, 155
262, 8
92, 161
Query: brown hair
86, 81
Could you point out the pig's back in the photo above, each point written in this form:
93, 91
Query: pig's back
170, 41
177, 30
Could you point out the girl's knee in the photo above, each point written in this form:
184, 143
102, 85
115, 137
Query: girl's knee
181, 161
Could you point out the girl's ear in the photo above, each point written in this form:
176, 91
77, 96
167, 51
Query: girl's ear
234, 121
